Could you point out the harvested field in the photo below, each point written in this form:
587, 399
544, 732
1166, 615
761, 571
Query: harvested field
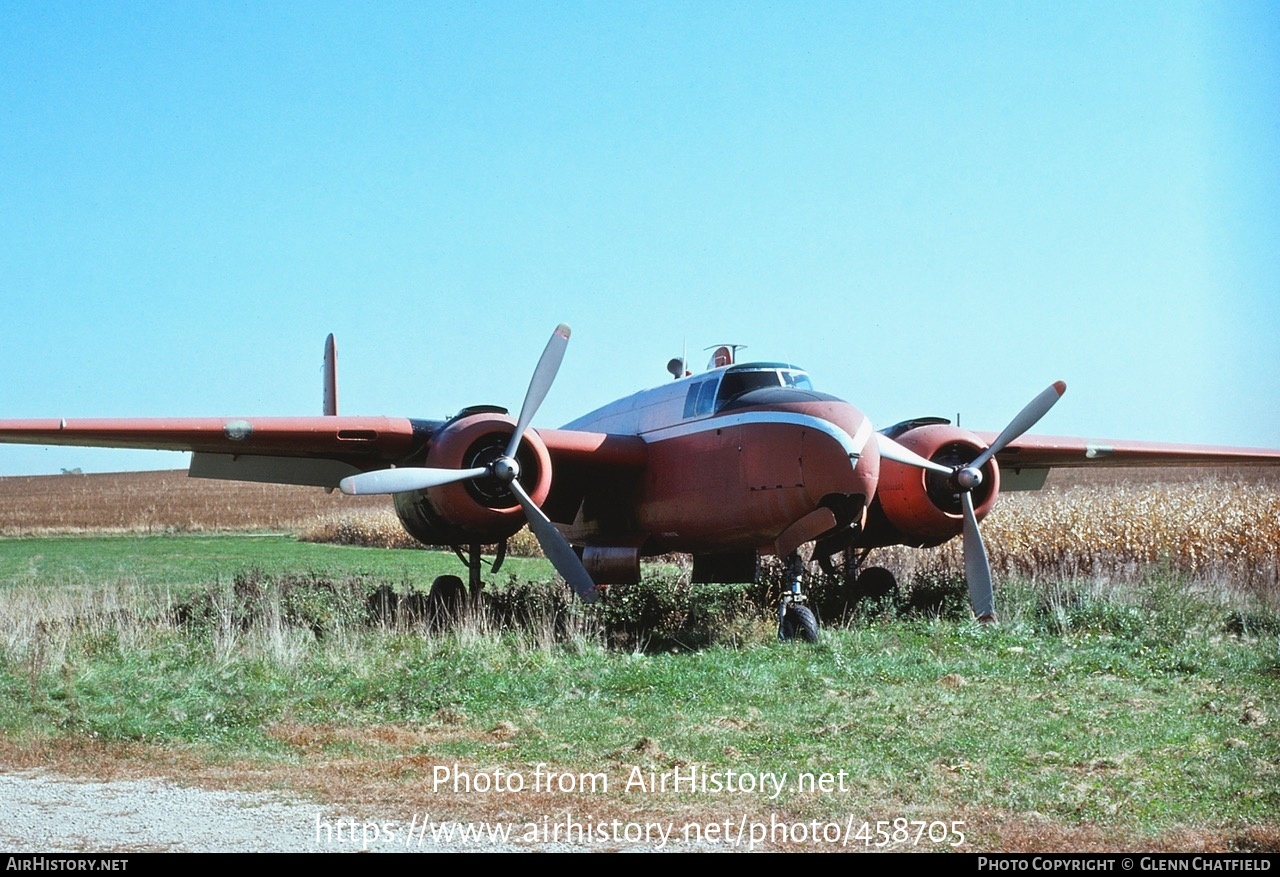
149, 502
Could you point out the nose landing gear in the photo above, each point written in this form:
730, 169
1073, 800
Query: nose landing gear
795, 619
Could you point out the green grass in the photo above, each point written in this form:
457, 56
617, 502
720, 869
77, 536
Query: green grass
184, 560
1080, 729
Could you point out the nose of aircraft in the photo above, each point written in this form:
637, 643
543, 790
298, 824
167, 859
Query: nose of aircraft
845, 461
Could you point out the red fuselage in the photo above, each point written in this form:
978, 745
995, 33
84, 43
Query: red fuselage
736, 474
741, 478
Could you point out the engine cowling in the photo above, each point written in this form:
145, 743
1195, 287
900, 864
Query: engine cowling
921, 507
476, 510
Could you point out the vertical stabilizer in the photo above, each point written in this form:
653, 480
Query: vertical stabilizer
330, 376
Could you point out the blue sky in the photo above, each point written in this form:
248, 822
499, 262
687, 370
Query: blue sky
935, 208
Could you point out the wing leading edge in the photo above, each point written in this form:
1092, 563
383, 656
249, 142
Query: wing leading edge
315, 451
355, 438
1049, 451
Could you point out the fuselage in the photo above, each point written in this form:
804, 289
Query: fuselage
738, 454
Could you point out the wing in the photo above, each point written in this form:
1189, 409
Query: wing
1025, 462
285, 450
317, 451
593, 473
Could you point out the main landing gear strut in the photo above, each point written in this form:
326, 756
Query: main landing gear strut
474, 561
795, 619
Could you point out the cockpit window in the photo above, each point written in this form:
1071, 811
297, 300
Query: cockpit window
718, 389
738, 381
796, 379
735, 383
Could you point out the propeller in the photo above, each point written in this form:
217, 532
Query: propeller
964, 480
504, 469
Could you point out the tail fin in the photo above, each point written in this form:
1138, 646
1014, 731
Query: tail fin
330, 376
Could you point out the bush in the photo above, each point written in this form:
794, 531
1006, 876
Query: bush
254, 600
665, 611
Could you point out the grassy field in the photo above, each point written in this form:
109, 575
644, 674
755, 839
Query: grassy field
186, 561
1126, 702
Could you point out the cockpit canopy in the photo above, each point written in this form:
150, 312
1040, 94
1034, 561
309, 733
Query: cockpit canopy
709, 393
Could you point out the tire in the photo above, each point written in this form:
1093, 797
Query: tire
448, 591
446, 602
798, 623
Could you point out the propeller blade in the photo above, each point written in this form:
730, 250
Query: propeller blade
977, 570
405, 479
556, 547
539, 384
891, 450
1027, 418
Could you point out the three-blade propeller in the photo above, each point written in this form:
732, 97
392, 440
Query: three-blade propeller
505, 469
964, 480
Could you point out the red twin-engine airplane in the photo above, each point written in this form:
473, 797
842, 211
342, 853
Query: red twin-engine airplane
741, 460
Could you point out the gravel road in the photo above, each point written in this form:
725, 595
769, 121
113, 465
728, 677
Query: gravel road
43, 812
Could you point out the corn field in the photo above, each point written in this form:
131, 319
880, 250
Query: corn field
1206, 528
1222, 528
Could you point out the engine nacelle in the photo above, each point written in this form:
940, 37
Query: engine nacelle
924, 507
478, 510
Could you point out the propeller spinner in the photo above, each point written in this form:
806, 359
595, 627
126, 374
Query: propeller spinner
504, 469
967, 478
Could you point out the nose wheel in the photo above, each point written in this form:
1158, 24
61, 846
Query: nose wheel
795, 619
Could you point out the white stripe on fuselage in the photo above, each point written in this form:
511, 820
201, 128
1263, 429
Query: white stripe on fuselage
852, 445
